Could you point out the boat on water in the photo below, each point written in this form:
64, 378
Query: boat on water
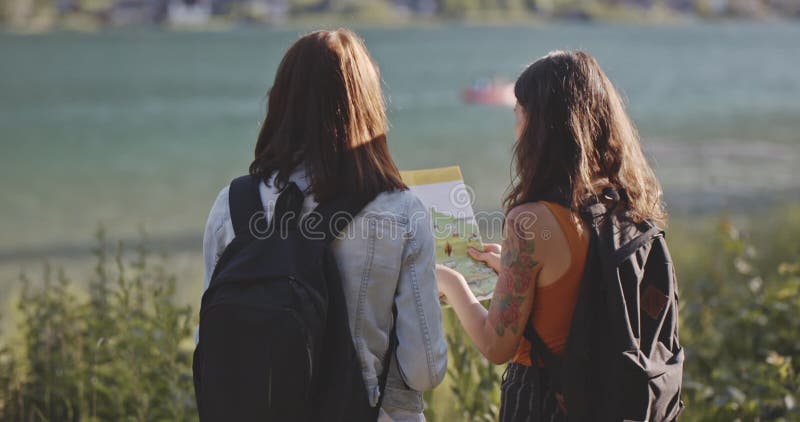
490, 91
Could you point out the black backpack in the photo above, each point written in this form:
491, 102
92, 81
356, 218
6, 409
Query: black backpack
623, 360
275, 343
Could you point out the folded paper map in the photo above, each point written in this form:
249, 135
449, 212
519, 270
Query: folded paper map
449, 201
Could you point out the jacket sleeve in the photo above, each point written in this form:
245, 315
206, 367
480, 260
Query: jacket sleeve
217, 235
421, 350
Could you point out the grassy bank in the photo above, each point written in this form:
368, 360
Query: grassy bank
117, 345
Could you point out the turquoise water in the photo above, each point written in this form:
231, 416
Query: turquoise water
142, 128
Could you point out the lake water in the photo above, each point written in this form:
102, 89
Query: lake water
142, 128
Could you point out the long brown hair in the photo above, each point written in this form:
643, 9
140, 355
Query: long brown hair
326, 111
578, 139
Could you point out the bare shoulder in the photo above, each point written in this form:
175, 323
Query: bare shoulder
539, 228
532, 220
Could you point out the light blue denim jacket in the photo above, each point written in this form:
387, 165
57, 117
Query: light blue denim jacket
388, 255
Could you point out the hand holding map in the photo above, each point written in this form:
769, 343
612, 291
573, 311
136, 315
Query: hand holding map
490, 255
449, 202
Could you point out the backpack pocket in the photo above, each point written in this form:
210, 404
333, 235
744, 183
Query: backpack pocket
253, 363
651, 386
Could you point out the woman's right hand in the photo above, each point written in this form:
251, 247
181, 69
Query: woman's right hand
490, 255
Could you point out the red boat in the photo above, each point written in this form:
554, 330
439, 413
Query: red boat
490, 91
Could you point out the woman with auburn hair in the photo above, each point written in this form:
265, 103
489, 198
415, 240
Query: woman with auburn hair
573, 140
325, 132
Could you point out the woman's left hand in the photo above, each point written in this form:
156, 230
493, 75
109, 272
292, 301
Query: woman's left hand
490, 255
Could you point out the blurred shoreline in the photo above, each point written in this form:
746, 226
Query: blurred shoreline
31, 17
310, 24
744, 210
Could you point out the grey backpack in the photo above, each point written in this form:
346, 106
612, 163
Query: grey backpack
623, 360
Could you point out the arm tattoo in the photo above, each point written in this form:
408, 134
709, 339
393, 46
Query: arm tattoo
516, 275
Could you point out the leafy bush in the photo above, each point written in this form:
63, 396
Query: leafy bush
118, 354
741, 328
471, 391
475, 380
121, 349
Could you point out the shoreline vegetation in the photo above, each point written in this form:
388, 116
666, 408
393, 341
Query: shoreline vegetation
38, 16
115, 342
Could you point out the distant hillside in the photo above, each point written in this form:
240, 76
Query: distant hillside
87, 14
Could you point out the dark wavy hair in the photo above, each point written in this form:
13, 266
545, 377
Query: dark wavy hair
578, 140
326, 111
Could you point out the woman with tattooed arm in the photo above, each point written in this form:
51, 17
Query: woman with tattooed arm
574, 139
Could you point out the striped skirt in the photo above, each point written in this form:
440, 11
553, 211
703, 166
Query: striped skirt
526, 396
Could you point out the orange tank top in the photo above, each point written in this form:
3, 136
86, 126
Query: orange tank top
553, 304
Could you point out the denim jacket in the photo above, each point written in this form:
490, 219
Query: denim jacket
387, 256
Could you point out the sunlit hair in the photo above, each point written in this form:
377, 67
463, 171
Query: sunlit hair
578, 139
326, 111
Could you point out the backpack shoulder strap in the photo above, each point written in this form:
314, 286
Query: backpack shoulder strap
244, 201
640, 240
549, 359
539, 348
